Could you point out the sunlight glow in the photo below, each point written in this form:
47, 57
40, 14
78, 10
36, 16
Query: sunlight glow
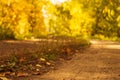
105, 44
58, 1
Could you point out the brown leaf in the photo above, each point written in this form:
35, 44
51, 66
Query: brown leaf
61, 59
62, 50
3, 78
37, 69
52, 68
2, 74
77, 51
7, 73
22, 60
68, 51
49, 49
22, 74
48, 63
36, 73
12, 74
38, 65
42, 59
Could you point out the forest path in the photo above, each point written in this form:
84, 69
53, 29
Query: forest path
100, 62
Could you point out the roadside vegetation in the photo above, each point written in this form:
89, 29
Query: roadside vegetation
48, 56
62, 28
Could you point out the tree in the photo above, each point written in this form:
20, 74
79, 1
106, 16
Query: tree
106, 14
22, 17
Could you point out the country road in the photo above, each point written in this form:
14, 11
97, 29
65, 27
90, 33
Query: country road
99, 62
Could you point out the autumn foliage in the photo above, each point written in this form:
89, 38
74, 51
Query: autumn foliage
25, 19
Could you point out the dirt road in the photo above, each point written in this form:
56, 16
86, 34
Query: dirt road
100, 62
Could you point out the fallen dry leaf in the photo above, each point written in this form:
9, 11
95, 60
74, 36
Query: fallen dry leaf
12, 74
38, 65
49, 49
22, 74
61, 59
37, 69
68, 51
22, 60
2, 74
42, 59
76, 50
7, 73
3, 78
36, 73
48, 63
52, 68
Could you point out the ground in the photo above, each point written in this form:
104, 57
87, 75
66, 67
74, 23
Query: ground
99, 62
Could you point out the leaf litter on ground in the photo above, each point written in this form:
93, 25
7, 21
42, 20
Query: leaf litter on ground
36, 63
